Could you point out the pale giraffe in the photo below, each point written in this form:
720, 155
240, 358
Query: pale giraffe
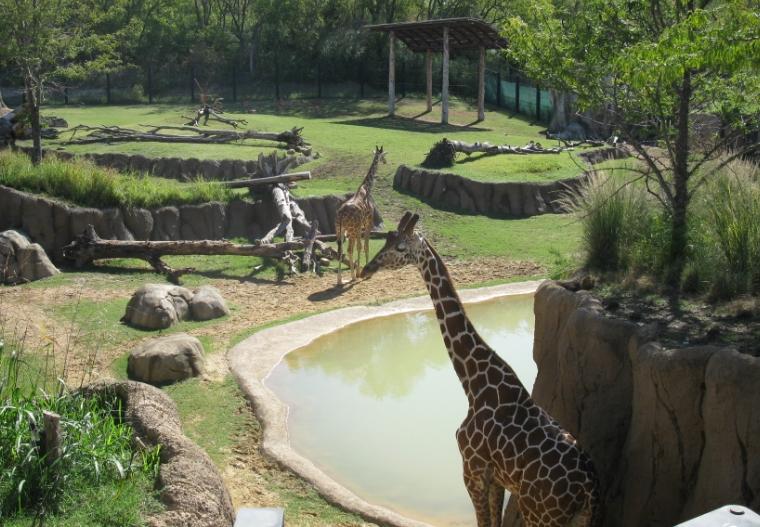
355, 218
507, 441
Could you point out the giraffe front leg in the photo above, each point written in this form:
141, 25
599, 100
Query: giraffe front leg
479, 491
351, 257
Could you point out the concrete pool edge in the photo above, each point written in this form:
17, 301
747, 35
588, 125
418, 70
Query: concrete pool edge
254, 358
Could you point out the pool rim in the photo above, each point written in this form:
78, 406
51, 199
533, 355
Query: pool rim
252, 361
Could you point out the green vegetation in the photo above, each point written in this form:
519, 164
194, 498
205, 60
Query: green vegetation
96, 480
625, 230
83, 183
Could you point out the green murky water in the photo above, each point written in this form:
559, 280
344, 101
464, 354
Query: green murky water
375, 405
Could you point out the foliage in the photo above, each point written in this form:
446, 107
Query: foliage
96, 457
683, 74
83, 183
624, 230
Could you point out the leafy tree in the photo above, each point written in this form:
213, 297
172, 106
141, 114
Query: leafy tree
682, 73
50, 41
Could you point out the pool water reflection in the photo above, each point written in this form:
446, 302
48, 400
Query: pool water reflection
375, 405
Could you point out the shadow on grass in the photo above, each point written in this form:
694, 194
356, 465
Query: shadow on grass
311, 108
411, 124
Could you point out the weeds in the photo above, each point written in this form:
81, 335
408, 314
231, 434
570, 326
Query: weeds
83, 183
96, 458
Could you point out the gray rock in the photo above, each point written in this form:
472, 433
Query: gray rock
165, 224
140, 163
158, 306
37, 221
167, 359
22, 261
207, 303
139, 222
10, 208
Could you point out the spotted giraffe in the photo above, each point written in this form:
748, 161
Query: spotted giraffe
355, 217
506, 440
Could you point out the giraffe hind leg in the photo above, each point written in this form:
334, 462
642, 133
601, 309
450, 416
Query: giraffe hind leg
351, 256
496, 503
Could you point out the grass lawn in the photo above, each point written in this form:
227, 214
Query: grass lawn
345, 132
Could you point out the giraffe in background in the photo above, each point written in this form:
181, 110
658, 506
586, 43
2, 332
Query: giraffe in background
506, 440
354, 219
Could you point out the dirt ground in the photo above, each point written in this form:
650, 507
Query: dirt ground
251, 478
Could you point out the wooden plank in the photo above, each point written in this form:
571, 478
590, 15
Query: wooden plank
260, 181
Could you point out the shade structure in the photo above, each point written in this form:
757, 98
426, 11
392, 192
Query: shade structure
442, 35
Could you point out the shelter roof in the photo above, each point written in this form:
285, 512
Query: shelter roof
464, 33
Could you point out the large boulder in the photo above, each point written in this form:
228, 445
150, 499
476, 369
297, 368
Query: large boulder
207, 303
158, 306
167, 359
21, 260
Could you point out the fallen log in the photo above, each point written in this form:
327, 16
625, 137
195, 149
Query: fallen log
88, 247
444, 152
114, 134
271, 180
374, 235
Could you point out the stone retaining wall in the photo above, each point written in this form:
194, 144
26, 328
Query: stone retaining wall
505, 200
183, 169
53, 224
673, 433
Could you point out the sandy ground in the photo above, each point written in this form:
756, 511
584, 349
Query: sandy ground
250, 477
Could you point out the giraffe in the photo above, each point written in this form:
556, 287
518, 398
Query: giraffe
506, 440
354, 218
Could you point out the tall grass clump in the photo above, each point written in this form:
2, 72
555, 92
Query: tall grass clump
83, 183
614, 216
97, 479
727, 219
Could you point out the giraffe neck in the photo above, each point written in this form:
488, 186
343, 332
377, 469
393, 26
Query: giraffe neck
369, 180
465, 346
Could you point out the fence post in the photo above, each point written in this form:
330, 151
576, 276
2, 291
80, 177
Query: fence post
277, 76
319, 79
538, 103
66, 95
108, 88
517, 93
192, 85
53, 435
150, 84
234, 82
498, 87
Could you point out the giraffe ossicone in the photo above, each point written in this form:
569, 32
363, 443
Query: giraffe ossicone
355, 218
507, 441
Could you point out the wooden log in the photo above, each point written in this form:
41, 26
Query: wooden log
262, 181
391, 73
482, 85
445, 78
429, 79
53, 436
309, 246
374, 235
444, 152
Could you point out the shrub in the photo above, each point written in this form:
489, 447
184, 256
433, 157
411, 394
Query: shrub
614, 215
83, 183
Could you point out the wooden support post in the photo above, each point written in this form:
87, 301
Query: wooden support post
53, 436
445, 78
391, 73
482, 85
429, 78
517, 93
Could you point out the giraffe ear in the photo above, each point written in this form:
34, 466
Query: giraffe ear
404, 220
409, 227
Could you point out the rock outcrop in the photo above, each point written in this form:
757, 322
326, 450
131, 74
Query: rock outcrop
191, 488
159, 306
673, 433
168, 359
21, 260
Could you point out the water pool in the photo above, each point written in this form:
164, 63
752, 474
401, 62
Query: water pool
375, 405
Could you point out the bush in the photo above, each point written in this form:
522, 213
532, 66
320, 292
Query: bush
96, 464
83, 183
614, 218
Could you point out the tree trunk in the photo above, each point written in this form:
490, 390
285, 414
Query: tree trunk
33, 104
679, 220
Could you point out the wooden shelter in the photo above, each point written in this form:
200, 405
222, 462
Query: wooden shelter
441, 35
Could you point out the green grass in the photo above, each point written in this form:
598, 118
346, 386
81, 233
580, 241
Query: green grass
345, 133
83, 183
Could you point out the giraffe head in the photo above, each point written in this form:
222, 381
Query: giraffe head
380, 154
401, 248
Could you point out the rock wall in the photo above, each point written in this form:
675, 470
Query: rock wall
184, 169
503, 200
53, 224
673, 433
